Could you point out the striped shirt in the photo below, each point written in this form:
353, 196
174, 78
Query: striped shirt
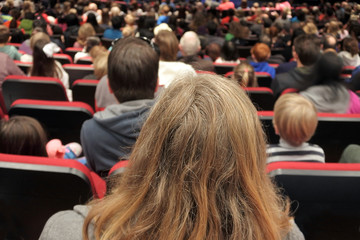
283, 151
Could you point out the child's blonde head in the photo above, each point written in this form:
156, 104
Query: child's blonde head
295, 118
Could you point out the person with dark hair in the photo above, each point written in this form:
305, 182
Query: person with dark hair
212, 37
26, 22
306, 52
350, 53
132, 75
91, 18
44, 63
115, 32
329, 93
229, 53
72, 29
22, 135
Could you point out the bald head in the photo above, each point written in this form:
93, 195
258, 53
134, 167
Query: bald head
189, 44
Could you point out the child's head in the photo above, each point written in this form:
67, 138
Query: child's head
23, 136
260, 52
4, 34
295, 118
244, 74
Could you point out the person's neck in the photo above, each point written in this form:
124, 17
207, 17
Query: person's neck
299, 64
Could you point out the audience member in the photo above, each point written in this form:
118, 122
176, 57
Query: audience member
190, 47
228, 54
8, 68
86, 30
295, 121
213, 50
132, 72
115, 32
329, 93
351, 154
244, 74
169, 68
306, 52
350, 53
89, 44
260, 53
209, 147
91, 18
5, 37
22, 135
44, 63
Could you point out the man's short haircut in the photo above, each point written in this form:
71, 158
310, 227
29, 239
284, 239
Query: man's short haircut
117, 22
261, 52
190, 43
4, 34
307, 49
133, 70
295, 118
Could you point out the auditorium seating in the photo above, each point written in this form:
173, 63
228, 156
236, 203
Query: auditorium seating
333, 133
223, 68
77, 71
262, 98
32, 189
40, 88
63, 58
264, 79
84, 91
324, 197
71, 51
24, 66
85, 60
60, 119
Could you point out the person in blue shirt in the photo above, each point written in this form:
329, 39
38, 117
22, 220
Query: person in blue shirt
114, 32
260, 53
164, 11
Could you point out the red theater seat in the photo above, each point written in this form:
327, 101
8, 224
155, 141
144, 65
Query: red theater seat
84, 91
77, 71
34, 188
39, 88
261, 97
61, 120
325, 197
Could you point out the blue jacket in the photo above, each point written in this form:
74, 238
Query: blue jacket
263, 67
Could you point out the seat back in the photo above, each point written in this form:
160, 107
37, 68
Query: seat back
77, 71
85, 60
223, 68
262, 98
333, 133
61, 120
84, 91
106, 42
244, 51
325, 197
63, 58
264, 79
32, 189
24, 66
40, 88
71, 51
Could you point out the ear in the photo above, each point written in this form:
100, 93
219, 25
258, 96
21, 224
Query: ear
276, 129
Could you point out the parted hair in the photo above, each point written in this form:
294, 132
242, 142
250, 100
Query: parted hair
197, 171
244, 74
133, 69
168, 45
22, 135
295, 118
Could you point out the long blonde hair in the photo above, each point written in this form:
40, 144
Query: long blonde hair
197, 171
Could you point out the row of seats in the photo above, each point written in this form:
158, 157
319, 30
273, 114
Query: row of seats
324, 197
63, 120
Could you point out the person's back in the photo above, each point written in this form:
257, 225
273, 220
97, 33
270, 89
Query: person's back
5, 37
110, 134
306, 52
295, 121
260, 53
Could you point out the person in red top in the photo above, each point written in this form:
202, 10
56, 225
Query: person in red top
226, 5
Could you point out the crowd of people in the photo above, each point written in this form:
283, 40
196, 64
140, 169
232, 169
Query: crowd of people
196, 147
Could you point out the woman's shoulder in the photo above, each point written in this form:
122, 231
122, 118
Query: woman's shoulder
66, 224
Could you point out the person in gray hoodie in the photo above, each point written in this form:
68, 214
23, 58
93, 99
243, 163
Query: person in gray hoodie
109, 136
